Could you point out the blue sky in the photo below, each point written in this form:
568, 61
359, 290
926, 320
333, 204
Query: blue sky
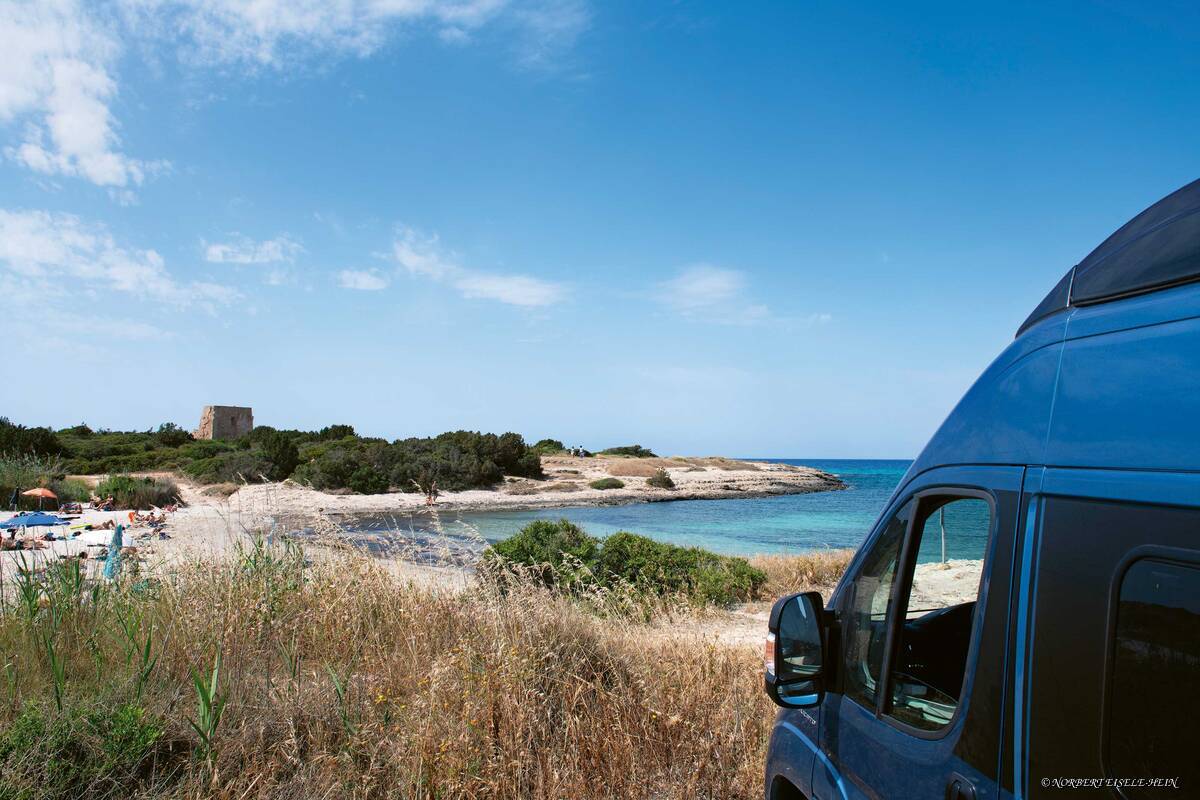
778, 229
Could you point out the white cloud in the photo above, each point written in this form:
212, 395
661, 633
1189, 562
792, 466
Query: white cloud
363, 281
714, 294
56, 252
243, 250
274, 32
56, 75
59, 81
422, 256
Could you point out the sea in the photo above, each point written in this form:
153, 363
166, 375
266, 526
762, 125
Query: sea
787, 524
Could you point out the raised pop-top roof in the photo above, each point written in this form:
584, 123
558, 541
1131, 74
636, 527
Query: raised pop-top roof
1158, 248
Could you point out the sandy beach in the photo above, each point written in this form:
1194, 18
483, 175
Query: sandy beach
566, 484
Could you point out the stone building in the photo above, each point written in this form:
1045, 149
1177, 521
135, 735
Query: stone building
224, 422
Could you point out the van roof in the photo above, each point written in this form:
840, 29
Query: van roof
1158, 248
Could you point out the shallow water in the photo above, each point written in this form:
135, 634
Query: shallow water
786, 524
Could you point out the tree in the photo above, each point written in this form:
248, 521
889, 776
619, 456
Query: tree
282, 453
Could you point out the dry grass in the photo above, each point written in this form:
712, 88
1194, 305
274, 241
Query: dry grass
533, 487
819, 571
639, 468
727, 464
468, 694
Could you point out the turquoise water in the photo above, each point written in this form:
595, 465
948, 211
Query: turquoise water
787, 524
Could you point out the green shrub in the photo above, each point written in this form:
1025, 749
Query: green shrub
558, 549
138, 493
607, 483
548, 447
661, 479
239, 466
367, 480
665, 569
332, 432
79, 752
18, 439
635, 450
171, 435
544, 545
282, 453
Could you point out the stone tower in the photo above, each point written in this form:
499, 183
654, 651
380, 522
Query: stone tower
224, 422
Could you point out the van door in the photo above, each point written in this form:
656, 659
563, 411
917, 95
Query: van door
916, 705
1107, 651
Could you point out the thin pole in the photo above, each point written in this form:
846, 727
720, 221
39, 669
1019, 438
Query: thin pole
942, 515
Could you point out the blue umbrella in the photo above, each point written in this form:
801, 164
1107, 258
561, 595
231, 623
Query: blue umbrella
112, 564
32, 520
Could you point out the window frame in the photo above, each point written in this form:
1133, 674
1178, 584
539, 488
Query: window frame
1178, 556
902, 587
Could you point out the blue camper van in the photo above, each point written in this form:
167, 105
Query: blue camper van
1023, 621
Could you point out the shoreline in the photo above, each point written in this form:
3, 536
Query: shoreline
566, 486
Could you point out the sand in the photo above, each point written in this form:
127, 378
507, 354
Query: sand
566, 485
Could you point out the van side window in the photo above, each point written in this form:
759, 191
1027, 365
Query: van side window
1155, 660
865, 626
930, 662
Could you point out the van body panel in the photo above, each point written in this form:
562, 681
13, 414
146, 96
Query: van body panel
1122, 396
792, 753
1169, 305
1064, 692
1003, 419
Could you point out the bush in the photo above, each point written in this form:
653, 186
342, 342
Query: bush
18, 439
548, 447
661, 479
239, 466
282, 453
367, 480
138, 493
332, 432
544, 545
171, 435
557, 550
634, 450
667, 569
74, 753
607, 483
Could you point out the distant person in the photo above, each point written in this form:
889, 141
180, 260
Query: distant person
16, 496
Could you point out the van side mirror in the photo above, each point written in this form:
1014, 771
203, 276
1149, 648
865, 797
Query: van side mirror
795, 652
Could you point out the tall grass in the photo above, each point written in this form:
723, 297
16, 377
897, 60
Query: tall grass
819, 571
273, 675
138, 493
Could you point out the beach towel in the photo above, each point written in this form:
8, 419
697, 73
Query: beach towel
112, 564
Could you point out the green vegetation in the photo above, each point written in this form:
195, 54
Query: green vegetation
271, 675
561, 553
332, 458
549, 447
63, 754
634, 450
452, 461
19, 440
138, 493
21, 472
607, 483
661, 479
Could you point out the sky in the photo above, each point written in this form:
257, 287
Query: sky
754, 229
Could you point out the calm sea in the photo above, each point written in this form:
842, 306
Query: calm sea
787, 524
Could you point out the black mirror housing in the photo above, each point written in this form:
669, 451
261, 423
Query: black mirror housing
795, 658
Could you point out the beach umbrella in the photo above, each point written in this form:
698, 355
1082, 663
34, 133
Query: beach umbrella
112, 564
34, 520
40, 494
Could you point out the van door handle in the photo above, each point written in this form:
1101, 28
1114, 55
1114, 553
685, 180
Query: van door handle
959, 788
